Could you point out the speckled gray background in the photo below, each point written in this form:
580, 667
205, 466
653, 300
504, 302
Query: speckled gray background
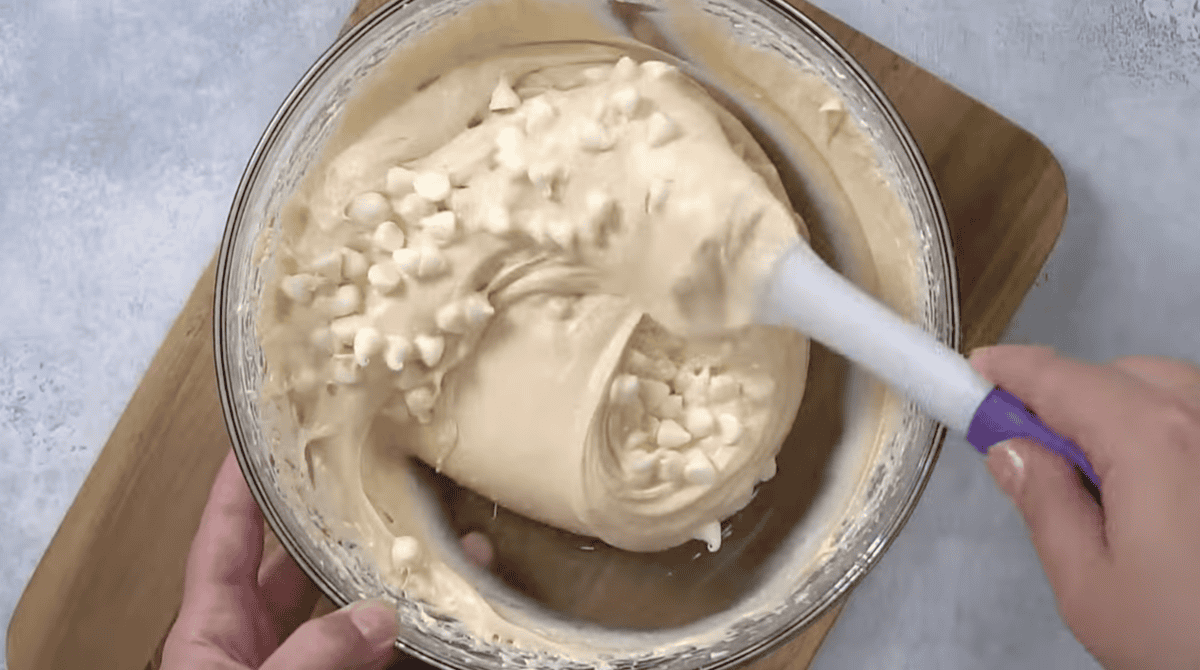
125, 124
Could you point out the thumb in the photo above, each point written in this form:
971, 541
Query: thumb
1065, 523
358, 637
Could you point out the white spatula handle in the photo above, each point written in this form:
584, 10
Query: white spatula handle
806, 294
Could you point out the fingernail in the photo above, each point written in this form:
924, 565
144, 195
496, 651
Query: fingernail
376, 619
1007, 468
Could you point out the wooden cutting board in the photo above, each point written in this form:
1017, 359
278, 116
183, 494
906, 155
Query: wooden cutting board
108, 587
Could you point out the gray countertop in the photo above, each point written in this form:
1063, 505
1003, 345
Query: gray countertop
125, 125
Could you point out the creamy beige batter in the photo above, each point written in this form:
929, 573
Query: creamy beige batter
480, 280
499, 300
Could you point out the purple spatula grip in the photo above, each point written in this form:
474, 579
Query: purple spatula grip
1002, 416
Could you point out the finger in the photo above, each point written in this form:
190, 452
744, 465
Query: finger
477, 548
228, 545
287, 592
1065, 523
1164, 373
1089, 404
359, 637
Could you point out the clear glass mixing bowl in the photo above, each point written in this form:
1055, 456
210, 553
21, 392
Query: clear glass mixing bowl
808, 535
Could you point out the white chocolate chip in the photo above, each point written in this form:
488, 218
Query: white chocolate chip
656, 69
511, 159
433, 186
831, 105
670, 466
345, 369
768, 471
690, 382
834, 114
430, 348
625, 69
698, 469
595, 137
625, 101
656, 194
413, 208
639, 467
696, 393
638, 461
656, 368
354, 264
329, 265
407, 260
369, 209
397, 352
347, 300
653, 392
450, 318
624, 389
399, 181
661, 129
509, 138
298, 288
432, 264
424, 263
388, 236
344, 329
710, 534
440, 227
420, 401
477, 310
504, 97
671, 435
731, 428
699, 421
636, 440
758, 387
384, 276
723, 388
368, 343
597, 73
405, 551
670, 408
497, 221
539, 115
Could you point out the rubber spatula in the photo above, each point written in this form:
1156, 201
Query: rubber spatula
806, 294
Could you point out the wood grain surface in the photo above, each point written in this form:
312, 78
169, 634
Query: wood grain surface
108, 586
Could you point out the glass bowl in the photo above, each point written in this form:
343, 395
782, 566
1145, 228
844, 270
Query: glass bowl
849, 473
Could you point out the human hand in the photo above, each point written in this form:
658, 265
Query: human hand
239, 611
1126, 575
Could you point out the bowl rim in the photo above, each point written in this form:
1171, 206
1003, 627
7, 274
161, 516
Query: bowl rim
940, 231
